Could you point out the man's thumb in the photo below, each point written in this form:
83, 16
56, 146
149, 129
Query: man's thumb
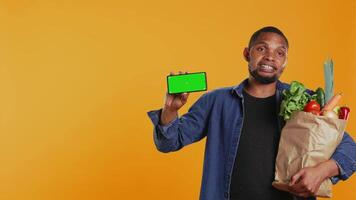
168, 100
296, 177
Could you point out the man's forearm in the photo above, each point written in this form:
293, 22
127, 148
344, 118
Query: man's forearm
167, 116
329, 167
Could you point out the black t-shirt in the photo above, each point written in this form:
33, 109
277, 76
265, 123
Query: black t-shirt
254, 167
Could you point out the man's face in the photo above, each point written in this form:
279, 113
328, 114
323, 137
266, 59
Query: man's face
267, 57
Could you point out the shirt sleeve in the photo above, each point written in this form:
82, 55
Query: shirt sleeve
345, 158
182, 131
165, 127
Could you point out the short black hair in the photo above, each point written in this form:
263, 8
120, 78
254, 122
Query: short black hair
267, 29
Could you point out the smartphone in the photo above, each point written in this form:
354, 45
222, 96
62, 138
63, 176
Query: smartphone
191, 82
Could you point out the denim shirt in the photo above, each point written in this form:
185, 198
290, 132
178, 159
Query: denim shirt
218, 115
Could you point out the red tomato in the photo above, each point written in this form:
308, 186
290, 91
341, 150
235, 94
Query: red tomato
312, 107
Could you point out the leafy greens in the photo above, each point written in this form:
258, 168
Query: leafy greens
294, 99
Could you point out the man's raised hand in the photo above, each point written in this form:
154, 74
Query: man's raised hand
172, 103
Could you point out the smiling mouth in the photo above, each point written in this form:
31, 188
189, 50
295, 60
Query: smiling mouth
266, 68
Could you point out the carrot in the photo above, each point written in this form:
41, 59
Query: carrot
332, 102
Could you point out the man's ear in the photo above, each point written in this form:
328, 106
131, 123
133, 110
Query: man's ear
246, 54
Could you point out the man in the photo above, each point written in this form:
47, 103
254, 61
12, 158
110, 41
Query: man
242, 127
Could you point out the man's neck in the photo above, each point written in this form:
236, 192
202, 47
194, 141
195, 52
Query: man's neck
260, 90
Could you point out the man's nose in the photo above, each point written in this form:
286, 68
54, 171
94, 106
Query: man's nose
269, 56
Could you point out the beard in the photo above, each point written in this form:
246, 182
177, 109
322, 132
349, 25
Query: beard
262, 79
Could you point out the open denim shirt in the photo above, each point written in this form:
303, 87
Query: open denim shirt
218, 116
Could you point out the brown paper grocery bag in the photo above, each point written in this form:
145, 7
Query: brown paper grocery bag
306, 140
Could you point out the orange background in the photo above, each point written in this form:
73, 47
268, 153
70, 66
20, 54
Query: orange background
77, 78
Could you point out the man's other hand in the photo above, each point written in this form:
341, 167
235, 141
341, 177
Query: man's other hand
307, 181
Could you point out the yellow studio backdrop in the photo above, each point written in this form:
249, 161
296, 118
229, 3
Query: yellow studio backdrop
77, 78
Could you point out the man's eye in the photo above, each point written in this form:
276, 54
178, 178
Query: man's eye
281, 53
260, 49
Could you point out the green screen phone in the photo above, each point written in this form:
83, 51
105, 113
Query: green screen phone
191, 82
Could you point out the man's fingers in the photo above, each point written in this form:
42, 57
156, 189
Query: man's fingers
184, 97
296, 177
296, 184
179, 72
169, 101
303, 194
298, 188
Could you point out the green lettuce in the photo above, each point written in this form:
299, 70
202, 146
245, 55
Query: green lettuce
294, 99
